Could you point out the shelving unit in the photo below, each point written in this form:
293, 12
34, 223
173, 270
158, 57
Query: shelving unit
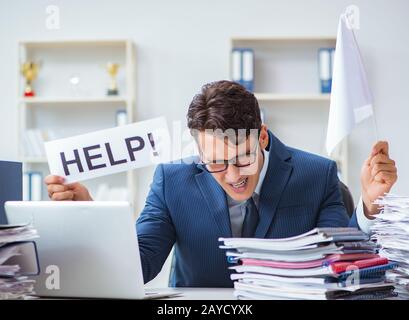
286, 84
68, 109
61, 101
291, 97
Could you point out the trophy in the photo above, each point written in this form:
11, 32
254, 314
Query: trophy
29, 70
112, 69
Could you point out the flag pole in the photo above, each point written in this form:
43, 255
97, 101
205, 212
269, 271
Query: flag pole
375, 123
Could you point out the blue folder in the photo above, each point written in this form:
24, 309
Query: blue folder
368, 272
11, 185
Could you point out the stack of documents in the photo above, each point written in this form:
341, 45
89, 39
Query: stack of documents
391, 231
18, 259
324, 263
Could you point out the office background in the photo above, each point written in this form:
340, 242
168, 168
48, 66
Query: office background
182, 44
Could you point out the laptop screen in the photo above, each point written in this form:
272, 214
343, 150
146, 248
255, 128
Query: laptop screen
11, 185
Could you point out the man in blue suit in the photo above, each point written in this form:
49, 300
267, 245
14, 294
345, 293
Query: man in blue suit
242, 185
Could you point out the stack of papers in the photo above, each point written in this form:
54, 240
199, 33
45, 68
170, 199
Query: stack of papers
18, 258
324, 263
391, 231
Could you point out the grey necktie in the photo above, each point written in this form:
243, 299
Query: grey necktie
250, 220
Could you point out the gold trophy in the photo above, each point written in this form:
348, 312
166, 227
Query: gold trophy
29, 70
112, 69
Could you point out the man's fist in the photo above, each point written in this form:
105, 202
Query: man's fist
59, 191
378, 175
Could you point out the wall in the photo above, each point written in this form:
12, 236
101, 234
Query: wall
182, 44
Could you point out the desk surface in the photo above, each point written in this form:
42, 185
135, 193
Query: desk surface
201, 293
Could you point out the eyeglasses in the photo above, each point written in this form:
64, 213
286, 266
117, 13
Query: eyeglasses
240, 161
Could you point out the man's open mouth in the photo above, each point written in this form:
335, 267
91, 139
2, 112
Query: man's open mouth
240, 185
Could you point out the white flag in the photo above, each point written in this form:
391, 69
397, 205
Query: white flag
351, 99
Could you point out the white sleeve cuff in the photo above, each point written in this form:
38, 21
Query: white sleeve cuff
363, 222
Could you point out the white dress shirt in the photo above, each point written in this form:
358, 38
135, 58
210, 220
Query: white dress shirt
363, 222
237, 209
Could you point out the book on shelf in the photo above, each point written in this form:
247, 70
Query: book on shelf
33, 143
32, 186
243, 67
121, 118
325, 68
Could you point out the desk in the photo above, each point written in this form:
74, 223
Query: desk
185, 294
201, 293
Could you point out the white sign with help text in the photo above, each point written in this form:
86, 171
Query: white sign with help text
109, 151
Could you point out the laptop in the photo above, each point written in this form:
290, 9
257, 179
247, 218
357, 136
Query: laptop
87, 249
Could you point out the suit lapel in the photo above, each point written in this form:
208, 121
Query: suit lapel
278, 173
215, 198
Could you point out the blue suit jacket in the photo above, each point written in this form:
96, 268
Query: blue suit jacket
187, 208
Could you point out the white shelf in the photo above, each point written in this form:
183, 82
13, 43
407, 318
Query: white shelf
62, 57
291, 97
283, 41
69, 42
34, 160
67, 100
282, 38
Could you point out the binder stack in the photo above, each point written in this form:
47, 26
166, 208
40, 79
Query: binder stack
391, 231
324, 263
18, 261
32, 186
325, 68
243, 67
